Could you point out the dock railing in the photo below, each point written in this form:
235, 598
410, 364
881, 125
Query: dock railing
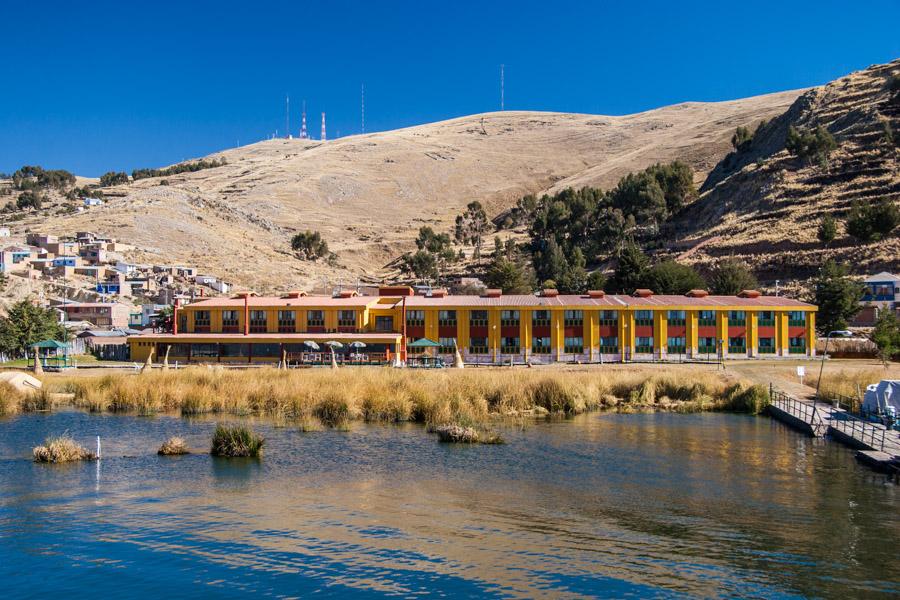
870, 434
805, 411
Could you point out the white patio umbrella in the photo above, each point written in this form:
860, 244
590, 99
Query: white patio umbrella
311, 344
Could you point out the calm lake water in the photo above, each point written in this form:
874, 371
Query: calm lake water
649, 505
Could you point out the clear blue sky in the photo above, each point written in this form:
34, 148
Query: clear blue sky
98, 86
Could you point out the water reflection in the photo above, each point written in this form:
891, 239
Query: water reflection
612, 505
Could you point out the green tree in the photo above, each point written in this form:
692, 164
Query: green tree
730, 276
886, 335
670, 277
741, 139
113, 178
472, 226
422, 264
574, 279
509, 276
870, 222
309, 245
30, 199
827, 229
806, 145
631, 270
596, 281
837, 296
439, 246
25, 325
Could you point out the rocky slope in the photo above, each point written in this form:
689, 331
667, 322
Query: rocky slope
764, 205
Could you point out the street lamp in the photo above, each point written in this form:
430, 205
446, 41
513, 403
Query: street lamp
839, 333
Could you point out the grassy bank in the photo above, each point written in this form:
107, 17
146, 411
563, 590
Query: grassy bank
333, 398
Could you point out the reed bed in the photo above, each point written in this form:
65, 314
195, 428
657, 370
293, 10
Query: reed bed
319, 398
61, 449
850, 383
10, 398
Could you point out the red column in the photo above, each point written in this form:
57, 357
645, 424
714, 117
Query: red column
246, 315
403, 316
175, 317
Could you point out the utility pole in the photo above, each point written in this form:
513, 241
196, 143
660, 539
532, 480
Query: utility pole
362, 105
287, 117
501, 87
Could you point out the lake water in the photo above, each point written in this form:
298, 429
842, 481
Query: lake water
646, 505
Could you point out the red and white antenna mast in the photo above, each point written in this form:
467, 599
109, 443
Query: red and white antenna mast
323, 127
303, 134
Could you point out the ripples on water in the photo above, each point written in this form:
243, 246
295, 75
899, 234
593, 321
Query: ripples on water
654, 505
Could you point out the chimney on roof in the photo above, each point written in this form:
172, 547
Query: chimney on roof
749, 294
396, 290
294, 294
347, 294
596, 293
439, 293
643, 293
493, 293
550, 293
697, 294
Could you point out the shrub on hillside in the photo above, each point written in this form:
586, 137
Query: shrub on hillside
827, 230
30, 199
870, 222
113, 178
807, 145
310, 245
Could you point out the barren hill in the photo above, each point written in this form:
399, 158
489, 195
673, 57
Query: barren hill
765, 205
369, 194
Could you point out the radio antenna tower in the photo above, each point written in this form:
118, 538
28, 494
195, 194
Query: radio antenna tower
303, 134
362, 105
287, 116
501, 87
323, 127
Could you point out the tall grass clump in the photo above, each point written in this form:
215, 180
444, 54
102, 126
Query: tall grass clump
751, 399
847, 382
174, 446
10, 398
61, 449
235, 441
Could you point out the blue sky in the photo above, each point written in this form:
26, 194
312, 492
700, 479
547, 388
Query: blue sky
98, 86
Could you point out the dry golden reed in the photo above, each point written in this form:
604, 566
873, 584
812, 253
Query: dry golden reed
333, 398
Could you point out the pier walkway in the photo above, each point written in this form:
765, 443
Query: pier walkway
879, 446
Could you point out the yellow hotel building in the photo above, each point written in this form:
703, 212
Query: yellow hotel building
492, 328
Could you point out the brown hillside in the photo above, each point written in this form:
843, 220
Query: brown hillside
765, 206
368, 195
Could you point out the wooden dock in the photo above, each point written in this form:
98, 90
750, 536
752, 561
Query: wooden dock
879, 446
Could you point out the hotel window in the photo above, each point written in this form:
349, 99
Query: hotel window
540, 318
573, 345
573, 318
233, 350
737, 345
509, 345
509, 318
478, 345
346, 318
257, 321
266, 350
478, 318
765, 318
287, 321
707, 318
540, 345
315, 318
609, 345
797, 318
675, 345
767, 345
182, 322
229, 321
447, 318
643, 317
448, 345
201, 321
204, 350
415, 318
384, 324
675, 317
707, 345
643, 345
797, 345
180, 349
737, 318
609, 317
